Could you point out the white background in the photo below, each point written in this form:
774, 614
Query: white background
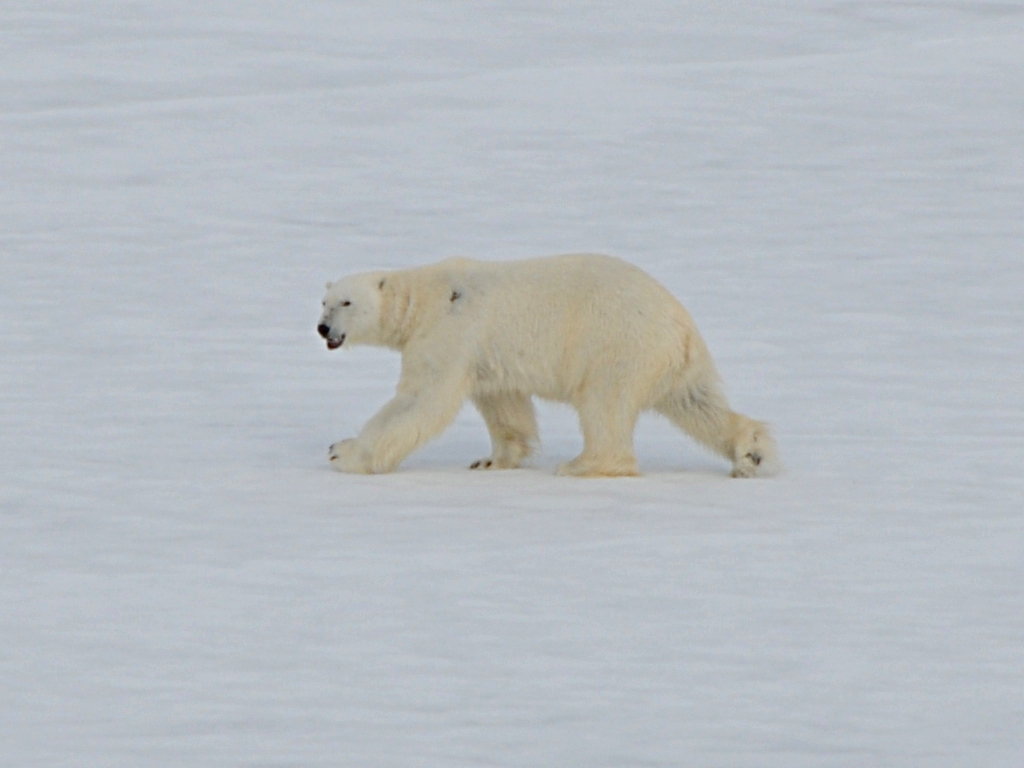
834, 188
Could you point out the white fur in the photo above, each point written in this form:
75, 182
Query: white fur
591, 331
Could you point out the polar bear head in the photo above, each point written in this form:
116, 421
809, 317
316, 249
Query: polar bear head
352, 310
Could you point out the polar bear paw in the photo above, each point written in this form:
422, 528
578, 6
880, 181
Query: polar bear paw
493, 463
747, 465
755, 452
586, 466
345, 456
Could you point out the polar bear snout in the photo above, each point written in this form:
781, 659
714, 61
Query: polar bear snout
332, 342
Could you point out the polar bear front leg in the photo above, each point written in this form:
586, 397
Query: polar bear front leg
512, 424
405, 423
354, 454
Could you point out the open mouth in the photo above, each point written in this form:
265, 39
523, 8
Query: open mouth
335, 343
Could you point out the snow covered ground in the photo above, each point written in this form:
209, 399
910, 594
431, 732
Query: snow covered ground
834, 187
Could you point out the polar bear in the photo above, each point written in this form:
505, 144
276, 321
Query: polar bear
589, 330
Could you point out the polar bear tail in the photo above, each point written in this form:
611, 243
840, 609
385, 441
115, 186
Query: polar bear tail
701, 410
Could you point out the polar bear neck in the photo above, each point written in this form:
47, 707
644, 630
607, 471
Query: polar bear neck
411, 304
399, 312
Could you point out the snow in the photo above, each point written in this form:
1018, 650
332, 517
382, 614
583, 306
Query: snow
834, 188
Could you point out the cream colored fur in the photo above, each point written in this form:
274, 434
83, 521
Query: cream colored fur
588, 330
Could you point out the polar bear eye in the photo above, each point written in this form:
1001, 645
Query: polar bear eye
346, 303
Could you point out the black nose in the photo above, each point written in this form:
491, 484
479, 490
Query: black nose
323, 330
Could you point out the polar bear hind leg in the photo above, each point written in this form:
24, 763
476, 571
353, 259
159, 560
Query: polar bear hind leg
512, 424
607, 422
701, 410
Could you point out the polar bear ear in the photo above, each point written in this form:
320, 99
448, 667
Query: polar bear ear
327, 287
